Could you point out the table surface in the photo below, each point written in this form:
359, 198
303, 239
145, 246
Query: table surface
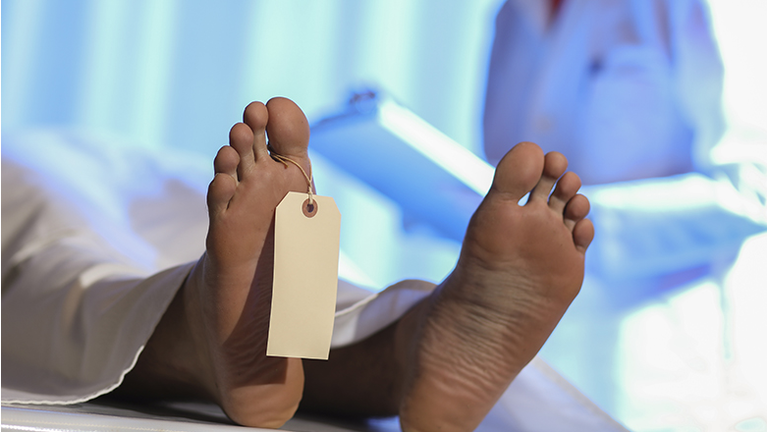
186, 417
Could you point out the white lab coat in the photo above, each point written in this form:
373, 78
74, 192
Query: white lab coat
626, 89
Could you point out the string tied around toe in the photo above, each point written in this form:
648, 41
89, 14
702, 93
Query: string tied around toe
284, 160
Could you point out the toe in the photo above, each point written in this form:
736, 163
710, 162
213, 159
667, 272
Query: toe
241, 139
518, 171
226, 162
566, 189
554, 167
256, 117
583, 233
576, 209
220, 192
288, 129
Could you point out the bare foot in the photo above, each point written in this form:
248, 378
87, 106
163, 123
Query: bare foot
520, 268
227, 296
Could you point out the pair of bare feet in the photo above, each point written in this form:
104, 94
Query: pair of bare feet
457, 351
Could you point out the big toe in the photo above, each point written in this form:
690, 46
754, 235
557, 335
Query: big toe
519, 170
288, 128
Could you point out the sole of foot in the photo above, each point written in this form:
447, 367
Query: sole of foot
228, 294
520, 268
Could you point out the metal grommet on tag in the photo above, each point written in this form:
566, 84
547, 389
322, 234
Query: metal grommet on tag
309, 208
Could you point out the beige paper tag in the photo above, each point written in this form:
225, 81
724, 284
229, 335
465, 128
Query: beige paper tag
305, 277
